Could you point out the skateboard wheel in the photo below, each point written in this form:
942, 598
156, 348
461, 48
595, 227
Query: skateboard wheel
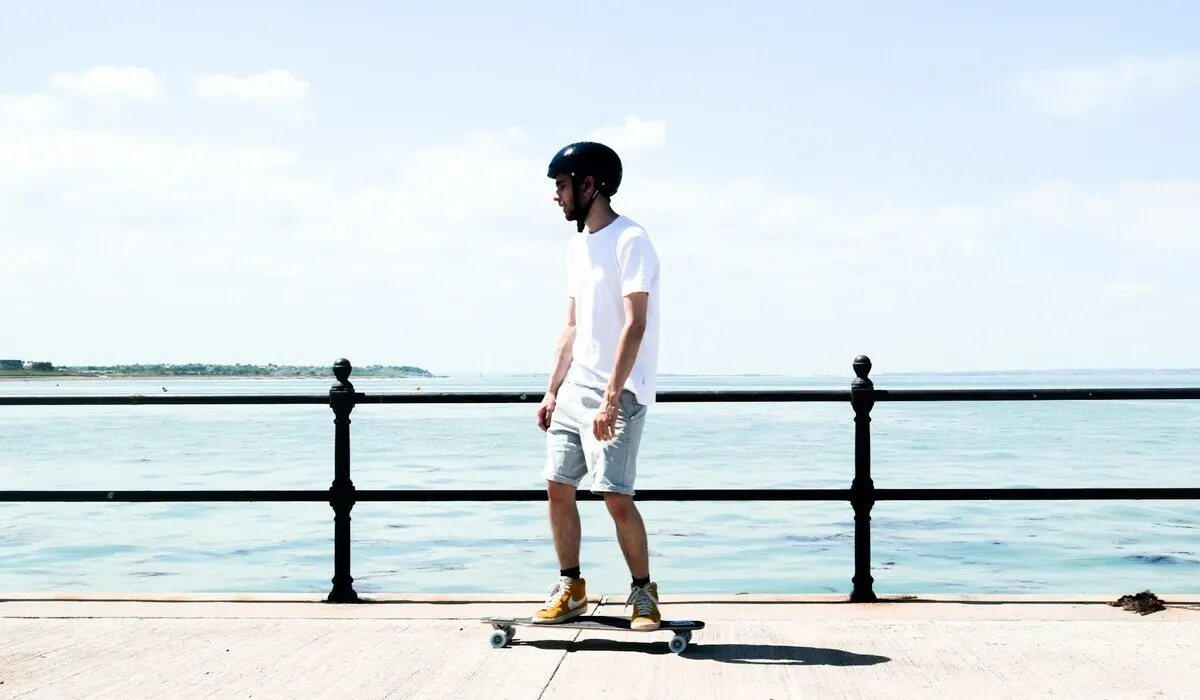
499, 639
678, 643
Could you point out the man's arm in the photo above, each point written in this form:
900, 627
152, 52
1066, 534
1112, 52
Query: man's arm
628, 344
639, 266
562, 351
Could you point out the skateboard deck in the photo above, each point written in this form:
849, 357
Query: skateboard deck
503, 628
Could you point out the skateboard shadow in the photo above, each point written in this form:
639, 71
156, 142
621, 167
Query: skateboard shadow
765, 654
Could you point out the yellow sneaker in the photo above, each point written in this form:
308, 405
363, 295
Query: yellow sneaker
567, 599
644, 599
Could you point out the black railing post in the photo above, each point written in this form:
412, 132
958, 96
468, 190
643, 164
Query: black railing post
862, 489
341, 492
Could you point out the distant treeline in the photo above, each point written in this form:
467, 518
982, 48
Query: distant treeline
194, 369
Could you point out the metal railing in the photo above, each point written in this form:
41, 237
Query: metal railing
862, 493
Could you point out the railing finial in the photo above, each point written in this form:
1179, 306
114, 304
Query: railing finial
341, 370
862, 367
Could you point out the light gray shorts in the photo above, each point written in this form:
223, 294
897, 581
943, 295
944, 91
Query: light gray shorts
573, 452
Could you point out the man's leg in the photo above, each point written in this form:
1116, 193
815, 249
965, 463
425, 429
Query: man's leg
615, 471
564, 525
631, 534
565, 466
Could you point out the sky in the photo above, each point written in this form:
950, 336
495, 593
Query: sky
942, 186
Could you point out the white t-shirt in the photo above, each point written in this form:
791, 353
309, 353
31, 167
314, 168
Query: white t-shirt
602, 267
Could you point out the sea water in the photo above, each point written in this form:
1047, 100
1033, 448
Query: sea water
756, 547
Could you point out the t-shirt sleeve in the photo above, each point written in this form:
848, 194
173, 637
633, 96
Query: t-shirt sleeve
638, 262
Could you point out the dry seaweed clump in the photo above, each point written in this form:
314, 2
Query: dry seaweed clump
1143, 603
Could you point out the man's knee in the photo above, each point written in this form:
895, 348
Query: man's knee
559, 493
620, 505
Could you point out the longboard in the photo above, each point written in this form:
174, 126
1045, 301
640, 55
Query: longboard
504, 628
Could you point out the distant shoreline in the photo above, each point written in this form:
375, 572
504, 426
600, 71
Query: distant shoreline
264, 377
198, 371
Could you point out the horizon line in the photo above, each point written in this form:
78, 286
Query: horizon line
541, 374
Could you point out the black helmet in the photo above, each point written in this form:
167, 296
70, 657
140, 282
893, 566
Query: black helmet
579, 160
589, 158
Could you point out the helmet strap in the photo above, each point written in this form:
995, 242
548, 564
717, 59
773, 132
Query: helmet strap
581, 210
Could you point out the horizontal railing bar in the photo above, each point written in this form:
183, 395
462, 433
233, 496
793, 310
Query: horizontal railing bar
423, 397
513, 495
681, 396
1039, 494
175, 399
686, 396
1117, 394
147, 496
584, 495
411, 495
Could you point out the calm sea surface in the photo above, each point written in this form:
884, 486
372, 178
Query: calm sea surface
919, 547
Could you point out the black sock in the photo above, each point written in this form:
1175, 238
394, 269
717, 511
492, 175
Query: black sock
639, 582
572, 572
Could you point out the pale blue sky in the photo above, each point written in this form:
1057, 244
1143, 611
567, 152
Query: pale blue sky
939, 185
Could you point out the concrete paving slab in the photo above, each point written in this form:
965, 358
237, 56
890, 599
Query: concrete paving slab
402, 647
249, 606
1028, 608
134, 658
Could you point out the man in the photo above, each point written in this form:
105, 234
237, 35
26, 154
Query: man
603, 378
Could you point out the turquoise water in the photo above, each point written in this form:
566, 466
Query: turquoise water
918, 547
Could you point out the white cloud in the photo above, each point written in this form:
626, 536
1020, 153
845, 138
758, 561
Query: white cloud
141, 240
29, 109
176, 226
110, 83
633, 135
262, 199
1078, 90
73, 161
1132, 289
269, 87
1163, 213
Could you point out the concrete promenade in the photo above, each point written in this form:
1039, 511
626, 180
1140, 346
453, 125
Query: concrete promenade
754, 648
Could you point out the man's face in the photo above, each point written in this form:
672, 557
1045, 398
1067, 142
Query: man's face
563, 194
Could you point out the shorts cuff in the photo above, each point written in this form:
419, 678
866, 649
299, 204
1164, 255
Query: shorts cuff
560, 479
610, 488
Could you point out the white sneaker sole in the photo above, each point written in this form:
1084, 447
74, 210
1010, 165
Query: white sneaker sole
562, 618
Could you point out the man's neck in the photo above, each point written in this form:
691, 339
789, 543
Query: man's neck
599, 218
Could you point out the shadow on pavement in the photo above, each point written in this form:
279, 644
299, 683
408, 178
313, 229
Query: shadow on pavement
767, 654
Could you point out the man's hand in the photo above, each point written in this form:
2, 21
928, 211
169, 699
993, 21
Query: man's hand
605, 422
545, 410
